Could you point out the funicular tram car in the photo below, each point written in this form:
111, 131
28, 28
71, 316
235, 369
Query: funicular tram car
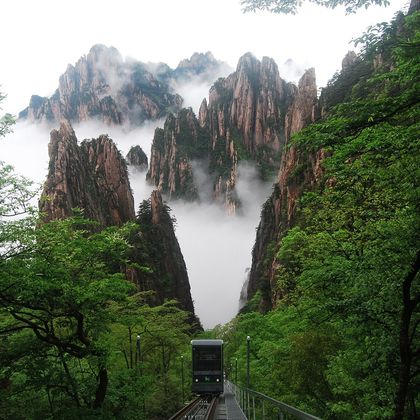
207, 367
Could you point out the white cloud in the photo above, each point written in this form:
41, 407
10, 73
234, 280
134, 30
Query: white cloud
217, 247
26, 149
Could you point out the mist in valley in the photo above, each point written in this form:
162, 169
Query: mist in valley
216, 247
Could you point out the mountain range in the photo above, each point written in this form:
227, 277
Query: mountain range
249, 117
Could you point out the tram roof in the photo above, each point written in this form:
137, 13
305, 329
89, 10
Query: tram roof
207, 342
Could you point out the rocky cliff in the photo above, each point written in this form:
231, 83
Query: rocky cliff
174, 147
298, 172
157, 247
93, 177
201, 66
101, 85
253, 101
137, 158
250, 116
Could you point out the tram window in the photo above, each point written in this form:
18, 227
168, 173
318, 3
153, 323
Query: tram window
207, 358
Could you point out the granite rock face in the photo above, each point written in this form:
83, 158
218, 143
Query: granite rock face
137, 158
174, 147
102, 86
158, 247
250, 115
200, 66
92, 177
296, 174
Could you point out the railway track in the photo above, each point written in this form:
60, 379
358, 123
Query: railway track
202, 408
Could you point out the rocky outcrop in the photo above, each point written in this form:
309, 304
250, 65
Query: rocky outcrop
297, 173
253, 101
349, 59
199, 67
101, 85
249, 116
174, 147
158, 247
137, 158
92, 177
414, 6
204, 66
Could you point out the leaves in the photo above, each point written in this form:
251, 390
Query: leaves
292, 6
342, 341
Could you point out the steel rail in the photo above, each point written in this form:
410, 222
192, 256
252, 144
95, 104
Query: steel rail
200, 408
186, 409
211, 409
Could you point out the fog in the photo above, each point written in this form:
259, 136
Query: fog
197, 87
216, 247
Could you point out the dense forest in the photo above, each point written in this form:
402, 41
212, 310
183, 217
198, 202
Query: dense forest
343, 336
78, 341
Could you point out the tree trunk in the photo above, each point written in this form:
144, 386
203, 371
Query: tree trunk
130, 340
102, 387
405, 340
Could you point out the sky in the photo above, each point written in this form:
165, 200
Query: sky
41, 38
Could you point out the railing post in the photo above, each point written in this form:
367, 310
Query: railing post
248, 404
182, 379
248, 341
257, 406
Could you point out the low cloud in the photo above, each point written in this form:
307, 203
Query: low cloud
196, 88
216, 247
26, 149
123, 136
291, 71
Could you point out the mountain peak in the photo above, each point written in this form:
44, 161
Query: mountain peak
247, 62
100, 51
198, 60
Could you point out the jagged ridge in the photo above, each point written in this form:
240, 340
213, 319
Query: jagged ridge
250, 116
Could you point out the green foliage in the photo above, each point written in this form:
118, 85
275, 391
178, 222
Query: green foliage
6, 121
191, 140
343, 341
221, 163
69, 328
55, 292
267, 162
65, 315
148, 384
291, 6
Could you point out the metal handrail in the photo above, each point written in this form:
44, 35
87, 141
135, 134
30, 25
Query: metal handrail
246, 399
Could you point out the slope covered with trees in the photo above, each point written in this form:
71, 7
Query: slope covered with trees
77, 340
342, 328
